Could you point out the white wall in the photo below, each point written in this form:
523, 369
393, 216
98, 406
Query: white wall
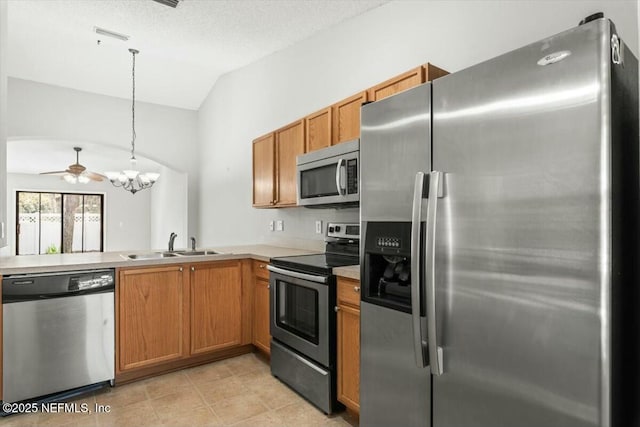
3, 124
169, 209
126, 216
341, 61
164, 134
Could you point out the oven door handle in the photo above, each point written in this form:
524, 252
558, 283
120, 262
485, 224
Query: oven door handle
303, 276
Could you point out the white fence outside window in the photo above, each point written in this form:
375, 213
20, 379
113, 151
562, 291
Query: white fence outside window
51, 232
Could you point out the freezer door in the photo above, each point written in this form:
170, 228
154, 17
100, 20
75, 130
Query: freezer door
395, 144
522, 236
393, 390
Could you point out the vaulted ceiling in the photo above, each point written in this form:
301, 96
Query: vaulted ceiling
183, 51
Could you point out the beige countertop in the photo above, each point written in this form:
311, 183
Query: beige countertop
24, 264
350, 272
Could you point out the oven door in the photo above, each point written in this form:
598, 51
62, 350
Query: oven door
331, 180
300, 312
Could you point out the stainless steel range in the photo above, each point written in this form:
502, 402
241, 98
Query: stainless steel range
303, 321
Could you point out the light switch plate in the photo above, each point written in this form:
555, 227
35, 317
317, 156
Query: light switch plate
270, 225
279, 225
318, 227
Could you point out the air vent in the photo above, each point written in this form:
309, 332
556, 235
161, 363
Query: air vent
170, 3
109, 33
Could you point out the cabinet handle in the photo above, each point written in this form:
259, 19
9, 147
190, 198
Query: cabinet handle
193, 269
261, 266
336, 308
180, 269
268, 286
356, 289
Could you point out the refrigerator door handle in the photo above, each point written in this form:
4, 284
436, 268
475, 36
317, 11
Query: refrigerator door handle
435, 352
419, 343
339, 167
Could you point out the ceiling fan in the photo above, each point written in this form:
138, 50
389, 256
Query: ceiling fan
76, 172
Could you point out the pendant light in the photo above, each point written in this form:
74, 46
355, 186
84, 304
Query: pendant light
131, 179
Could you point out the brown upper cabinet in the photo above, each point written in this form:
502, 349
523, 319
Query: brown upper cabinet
264, 168
289, 144
346, 118
404, 81
318, 130
274, 166
274, 155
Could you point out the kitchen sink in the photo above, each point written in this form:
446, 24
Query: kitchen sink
152, 255
168, 254
194, 253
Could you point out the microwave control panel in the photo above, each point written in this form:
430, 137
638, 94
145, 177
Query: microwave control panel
352, 176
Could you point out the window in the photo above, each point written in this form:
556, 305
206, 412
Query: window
49, 223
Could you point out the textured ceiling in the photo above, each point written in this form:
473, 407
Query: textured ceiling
183, 51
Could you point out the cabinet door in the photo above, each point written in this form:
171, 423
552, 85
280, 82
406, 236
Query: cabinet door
346, 118
397, 84
318, 130
216, 311
431, 72
152, 316
264, 171
349, 356
261, 334
289, 144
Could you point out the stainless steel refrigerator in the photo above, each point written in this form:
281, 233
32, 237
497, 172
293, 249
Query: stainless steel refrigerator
499, 259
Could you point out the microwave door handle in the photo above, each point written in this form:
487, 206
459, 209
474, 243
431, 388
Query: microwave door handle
339, 166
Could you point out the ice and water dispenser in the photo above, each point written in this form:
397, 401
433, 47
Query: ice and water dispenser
387, 265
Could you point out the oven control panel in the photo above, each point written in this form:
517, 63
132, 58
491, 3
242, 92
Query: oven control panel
344, 231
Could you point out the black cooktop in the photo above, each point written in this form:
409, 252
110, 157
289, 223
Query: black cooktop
315, 263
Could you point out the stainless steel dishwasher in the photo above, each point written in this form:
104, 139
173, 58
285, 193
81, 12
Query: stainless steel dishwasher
58, 332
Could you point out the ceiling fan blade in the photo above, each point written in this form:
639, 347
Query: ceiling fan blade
94, 176
52, 173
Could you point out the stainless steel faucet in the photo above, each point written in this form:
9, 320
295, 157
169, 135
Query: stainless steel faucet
193, 243
172, 238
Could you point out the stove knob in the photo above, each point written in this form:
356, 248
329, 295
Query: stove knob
330, 229
337, 228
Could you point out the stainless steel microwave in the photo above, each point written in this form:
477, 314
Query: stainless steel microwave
328, 178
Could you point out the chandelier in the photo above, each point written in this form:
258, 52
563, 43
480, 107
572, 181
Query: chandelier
131, 179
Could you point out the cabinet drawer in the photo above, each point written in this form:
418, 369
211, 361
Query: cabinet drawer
349, 291
260, 269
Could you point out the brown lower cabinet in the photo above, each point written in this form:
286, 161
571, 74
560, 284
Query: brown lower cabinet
216, 311
348, 310
153, 322
173, 316
261, 333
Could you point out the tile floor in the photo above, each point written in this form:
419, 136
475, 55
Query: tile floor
238, 391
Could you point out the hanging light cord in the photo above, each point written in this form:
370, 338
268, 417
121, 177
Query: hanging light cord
133, 109
130, 179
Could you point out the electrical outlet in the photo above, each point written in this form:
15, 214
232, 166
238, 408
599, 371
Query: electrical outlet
279, 225
318, 227
270, 225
